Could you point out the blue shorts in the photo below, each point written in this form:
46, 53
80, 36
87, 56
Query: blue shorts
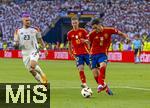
136, 51
98, 58
81, 59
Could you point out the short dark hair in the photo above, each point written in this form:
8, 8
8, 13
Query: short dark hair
95, 21
74, 18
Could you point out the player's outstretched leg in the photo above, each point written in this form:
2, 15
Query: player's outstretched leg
102, 85
83, 79
39, 70
95, 74
108, 90
101, 77
33, 71
82, 76
36, 75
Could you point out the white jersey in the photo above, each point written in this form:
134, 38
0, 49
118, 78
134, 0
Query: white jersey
27, 38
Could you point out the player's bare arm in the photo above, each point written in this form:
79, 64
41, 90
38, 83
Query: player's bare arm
86, 41
123, 35
70, 49
43, 45
16, 39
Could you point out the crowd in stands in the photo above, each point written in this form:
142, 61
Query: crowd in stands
42, 14
130, 16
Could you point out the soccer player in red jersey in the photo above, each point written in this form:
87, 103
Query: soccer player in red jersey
100, 39
78, 48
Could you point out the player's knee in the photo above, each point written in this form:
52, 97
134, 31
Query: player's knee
103, 64
32, 67
32, 70
95, 74
33, 73
81, 68
33, 63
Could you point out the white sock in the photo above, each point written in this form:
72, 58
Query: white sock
38, 78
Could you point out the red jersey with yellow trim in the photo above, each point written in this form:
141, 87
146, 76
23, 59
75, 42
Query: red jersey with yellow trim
75, 36
100, 41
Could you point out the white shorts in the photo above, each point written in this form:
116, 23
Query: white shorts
33, 56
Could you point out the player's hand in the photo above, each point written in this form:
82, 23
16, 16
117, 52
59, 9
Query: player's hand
46, 52
128, 39
84, 40
72, 56
126, 36
16, 43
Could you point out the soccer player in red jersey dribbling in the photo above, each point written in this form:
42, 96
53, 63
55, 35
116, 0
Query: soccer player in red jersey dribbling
100, 39
78, 48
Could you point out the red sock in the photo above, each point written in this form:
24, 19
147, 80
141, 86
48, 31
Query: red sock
82, 77
101, 76
96, 79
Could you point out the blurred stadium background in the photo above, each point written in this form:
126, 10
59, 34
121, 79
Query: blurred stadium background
53, 18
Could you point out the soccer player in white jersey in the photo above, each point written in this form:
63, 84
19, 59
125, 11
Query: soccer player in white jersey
27, 39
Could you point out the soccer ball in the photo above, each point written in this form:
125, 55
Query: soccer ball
86, 92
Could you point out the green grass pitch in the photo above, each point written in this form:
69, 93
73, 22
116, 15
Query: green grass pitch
129, 82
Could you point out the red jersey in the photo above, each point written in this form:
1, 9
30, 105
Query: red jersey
75, 36
100, 41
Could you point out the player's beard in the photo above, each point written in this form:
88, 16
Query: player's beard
27, 25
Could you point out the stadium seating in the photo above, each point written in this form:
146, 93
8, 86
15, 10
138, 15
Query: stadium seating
131, 17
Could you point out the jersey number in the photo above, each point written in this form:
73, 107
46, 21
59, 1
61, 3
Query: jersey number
26, 37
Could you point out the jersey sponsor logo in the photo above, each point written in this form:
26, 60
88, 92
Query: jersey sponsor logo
106, 35
73, 36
